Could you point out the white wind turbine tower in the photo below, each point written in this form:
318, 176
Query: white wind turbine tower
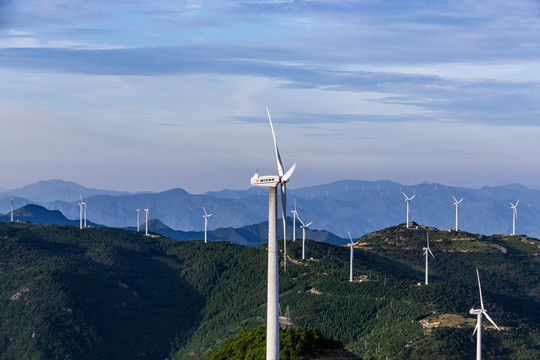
205, 216
304, 237
295, 214
138, 215
514, 217
427, 251
478, 328
457, 206
408, 206
12, 200
146, 222
352, 256
271, 182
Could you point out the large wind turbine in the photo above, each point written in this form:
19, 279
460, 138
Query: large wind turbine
295, 214
138, 213
514, 217
205, 216
478, 328
427, 251
352, 256
146, 222
408, 206
457, 206
12, 199
304, 237
272, 309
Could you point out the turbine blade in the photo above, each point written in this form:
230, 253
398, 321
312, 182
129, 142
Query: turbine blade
517, 203
490, 319
309, 224
459, 202
475, 328
350, 237
412, 197
288, 174
454, 198
405, 195
480, 290
205, 211
278, 158
431, 253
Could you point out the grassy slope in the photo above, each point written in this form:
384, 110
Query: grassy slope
108, 293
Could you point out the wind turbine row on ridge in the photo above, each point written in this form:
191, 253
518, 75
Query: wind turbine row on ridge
271, 182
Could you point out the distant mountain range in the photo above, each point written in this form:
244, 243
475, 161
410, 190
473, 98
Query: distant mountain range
349, 205
249, 235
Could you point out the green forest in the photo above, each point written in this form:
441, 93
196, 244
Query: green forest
98, 293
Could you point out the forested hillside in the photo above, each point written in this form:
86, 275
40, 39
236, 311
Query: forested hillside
108, 293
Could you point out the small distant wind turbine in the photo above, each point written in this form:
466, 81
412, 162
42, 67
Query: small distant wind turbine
304, 237
457, 206
138, 215
81, 205
205, 216
352, 256
12, 200
295, 214
146, 222
427, 251
85, 206
407, 199
478, 328
272, 308
514, 217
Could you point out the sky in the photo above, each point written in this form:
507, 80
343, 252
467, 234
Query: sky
153, 95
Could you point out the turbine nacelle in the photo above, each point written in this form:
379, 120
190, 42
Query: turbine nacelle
265, 181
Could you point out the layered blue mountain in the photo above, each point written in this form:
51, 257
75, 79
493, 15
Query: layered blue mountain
349, 205
39, 215
249, 235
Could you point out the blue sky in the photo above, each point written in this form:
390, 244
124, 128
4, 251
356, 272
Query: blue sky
152, 95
